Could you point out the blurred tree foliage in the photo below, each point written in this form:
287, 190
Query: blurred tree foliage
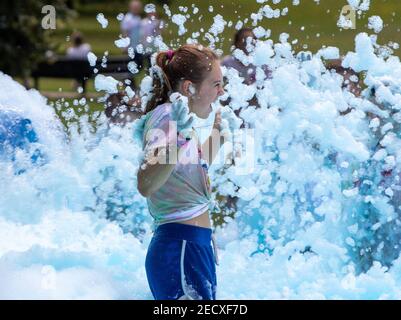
23, 40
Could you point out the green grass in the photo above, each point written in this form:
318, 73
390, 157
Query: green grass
316, 19
54, 84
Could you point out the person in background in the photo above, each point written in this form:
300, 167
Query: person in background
120, 110
110, 191
131, 26
352, 79
151, 29
79, 49
241, 40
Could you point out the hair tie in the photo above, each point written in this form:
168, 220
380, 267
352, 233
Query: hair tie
170, 54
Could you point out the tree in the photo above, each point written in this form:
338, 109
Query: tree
23, 38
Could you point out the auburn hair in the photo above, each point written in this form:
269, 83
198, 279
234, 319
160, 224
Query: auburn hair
190, 62
239, 37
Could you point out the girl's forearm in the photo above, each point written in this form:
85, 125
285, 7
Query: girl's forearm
156, 170
152, 177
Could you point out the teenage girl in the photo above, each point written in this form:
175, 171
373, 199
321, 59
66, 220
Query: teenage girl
180, 263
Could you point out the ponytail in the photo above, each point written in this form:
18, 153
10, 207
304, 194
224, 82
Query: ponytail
161, 87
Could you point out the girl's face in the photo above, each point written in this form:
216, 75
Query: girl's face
207, 92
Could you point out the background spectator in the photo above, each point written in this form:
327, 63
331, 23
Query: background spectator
151, 28
78, 49
241, 40
352, 80
131, 26
120, 110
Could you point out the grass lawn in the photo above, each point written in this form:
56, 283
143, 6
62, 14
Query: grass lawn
315, 18
309, 24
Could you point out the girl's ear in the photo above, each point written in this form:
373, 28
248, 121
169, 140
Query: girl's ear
188, 88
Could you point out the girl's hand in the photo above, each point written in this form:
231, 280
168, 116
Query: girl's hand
221, 126
181, 114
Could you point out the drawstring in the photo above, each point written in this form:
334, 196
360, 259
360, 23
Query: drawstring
216, 255
214, 207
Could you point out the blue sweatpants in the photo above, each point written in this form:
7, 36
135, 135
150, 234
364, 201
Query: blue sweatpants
180, 263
